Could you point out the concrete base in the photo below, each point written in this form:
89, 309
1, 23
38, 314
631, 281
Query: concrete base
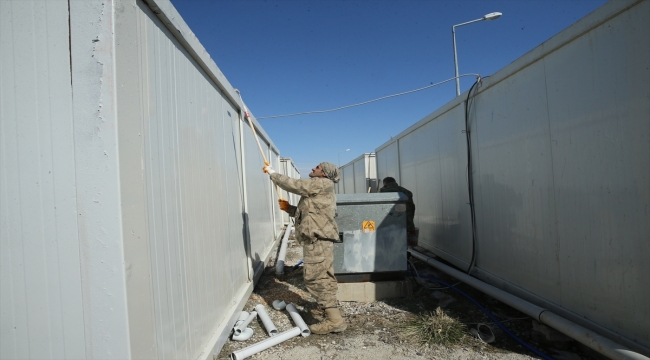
372, 291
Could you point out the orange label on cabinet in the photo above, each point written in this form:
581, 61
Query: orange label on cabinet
368, 226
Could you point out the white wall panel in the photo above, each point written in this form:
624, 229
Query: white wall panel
513, 194
358, 174
388, 162
347, 173
96, 145
193, 194
600, 141
274, 159
560, 149
433, 167
260, 198
189, 205
123, 220
40, 279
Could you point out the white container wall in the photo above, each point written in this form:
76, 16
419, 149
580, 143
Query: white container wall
287, 167
561, 175
358, 175
41, 269
133, 205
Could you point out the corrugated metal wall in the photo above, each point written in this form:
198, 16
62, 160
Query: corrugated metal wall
561, 174
205, 193
133, 205
40, 278
358, 175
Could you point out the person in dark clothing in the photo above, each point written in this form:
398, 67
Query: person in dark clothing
390, 185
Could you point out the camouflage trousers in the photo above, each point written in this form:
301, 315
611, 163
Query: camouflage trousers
318, 259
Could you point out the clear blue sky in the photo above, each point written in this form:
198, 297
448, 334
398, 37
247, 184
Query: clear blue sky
300, 55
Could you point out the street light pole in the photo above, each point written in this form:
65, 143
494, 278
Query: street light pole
490, 16
340, 155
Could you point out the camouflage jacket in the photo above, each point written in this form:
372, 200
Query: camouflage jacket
316, 209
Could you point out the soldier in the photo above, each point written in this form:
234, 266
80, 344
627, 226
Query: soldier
316, 230
390, 185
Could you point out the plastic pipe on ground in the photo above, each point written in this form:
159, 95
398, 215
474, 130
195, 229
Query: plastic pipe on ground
297, 319
242, 325
266, 320
243, 316
244, 335
279, 265
583, 335
264, 344
279, 305
597, 342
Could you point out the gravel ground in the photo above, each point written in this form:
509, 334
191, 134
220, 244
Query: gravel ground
373, 328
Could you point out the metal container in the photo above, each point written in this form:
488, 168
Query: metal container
373, 229
358, 176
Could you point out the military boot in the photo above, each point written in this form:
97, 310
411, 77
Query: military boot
333, 323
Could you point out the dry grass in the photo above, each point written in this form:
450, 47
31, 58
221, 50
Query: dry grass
434, 328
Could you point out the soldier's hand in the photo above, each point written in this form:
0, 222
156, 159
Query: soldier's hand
268, 169
284, 205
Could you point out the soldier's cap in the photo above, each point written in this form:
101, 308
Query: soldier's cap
331, 171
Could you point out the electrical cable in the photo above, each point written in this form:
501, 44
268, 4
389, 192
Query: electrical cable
426, 286
489, 314
365, 102
470, 182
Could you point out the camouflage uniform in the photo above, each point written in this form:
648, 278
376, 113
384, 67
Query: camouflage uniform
410, 205
315, 230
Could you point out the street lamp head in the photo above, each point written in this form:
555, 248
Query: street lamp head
492, 16
347, 149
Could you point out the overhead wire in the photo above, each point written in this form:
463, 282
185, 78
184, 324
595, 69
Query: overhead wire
365, 102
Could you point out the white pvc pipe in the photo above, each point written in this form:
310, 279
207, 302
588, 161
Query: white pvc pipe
242, 325
297, 319
244, 335
243, 316
279, 305
264, 344
587, 337
266, 320
279, 265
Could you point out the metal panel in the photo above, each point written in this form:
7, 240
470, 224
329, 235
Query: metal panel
387, 160
274, 159
261, 199
433, 167
40, 279
561, 147
515, 204
189, 207
371, 170
600, 140
378, 249
347, 178
97, 179
358, 174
